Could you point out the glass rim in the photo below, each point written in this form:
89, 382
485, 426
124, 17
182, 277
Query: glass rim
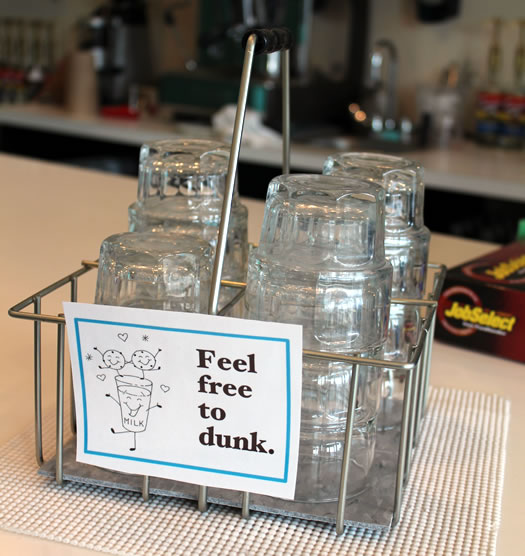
323, 183
158, 243
381, 161
161, 156
186, 143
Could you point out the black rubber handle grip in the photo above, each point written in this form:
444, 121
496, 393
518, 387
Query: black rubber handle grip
270, 40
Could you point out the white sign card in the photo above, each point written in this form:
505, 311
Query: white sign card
202, 399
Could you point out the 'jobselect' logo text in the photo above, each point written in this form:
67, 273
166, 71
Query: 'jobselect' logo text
480, 316
503, 270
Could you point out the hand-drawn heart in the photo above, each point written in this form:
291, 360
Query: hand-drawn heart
101, 377
164, 388
123, 336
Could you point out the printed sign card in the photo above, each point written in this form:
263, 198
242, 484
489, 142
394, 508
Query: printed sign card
202, 399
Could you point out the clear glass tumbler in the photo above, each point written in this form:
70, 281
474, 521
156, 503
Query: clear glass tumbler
406, 247
154, 271
181, 189
320, 263
406, 237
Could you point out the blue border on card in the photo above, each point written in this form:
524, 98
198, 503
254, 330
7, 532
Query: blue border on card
286, 342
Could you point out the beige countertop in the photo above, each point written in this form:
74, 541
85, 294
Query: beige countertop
53, 216
464, 167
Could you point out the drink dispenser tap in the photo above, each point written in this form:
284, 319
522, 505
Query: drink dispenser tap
383, 84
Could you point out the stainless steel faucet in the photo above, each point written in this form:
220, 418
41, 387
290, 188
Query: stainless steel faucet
383, 80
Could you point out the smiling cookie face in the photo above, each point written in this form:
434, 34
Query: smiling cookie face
143, 360
114, 359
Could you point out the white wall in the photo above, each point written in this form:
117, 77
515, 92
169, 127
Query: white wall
425, 49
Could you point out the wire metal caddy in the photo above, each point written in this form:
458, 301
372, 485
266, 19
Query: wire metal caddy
414, 372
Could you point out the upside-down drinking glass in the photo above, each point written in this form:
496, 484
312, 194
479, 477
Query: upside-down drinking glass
181, 189
406, 247
153, 270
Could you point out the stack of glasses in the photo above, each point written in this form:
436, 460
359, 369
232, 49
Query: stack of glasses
165, 261
406, 247
181, 190
320, 263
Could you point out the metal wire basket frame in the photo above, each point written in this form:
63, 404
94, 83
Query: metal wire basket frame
415, 371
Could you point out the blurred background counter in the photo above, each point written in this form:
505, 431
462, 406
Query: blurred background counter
473, 190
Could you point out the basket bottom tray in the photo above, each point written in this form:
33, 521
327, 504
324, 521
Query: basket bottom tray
372, 509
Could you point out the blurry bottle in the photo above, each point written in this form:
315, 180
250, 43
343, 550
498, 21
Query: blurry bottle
17, 62
7, 69
3, 58
519, 60
48, 46
519, 72
490, 97
13, 73
34, 76
512, 119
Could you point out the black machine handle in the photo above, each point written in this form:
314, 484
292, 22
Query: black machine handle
269, 40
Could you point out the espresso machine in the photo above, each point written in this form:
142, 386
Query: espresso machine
117, 34
327, 62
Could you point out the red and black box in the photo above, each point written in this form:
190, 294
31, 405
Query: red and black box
482, 305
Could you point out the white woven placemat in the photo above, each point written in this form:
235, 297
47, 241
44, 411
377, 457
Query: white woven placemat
452, 503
